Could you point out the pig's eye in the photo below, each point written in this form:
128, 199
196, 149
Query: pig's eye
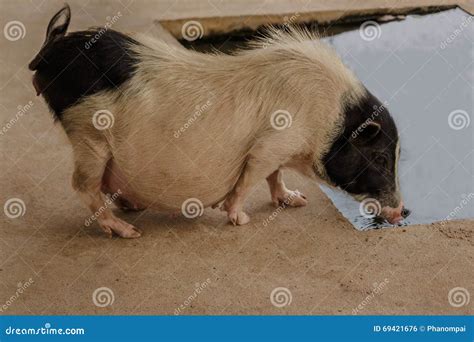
380, 160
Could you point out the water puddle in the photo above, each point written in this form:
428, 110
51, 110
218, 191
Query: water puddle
423, 67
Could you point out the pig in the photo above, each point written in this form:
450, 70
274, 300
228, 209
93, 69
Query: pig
163, 126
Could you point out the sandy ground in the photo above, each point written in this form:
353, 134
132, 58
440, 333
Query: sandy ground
326, 265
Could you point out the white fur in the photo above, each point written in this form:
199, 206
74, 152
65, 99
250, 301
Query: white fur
293, 71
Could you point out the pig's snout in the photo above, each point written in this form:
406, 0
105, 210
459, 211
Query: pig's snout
395, 215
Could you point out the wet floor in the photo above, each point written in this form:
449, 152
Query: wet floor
423, 67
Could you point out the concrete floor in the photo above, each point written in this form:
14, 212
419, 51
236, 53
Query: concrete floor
200, 266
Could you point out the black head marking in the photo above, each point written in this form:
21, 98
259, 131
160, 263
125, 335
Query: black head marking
362, 160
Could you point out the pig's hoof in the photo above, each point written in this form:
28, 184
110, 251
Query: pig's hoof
238, 218
289, 198
119, 227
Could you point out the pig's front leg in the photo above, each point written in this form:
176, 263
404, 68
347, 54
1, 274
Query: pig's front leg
114, 183
256, 169
281, 196
90, 159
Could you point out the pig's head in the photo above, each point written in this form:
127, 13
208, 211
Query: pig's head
363, 159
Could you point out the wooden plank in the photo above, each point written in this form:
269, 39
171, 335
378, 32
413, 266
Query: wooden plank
468, 7
160, 32
227, 16
186, 9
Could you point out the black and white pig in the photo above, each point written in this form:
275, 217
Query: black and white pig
160, 124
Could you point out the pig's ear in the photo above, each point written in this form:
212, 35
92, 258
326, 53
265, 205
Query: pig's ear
365, 133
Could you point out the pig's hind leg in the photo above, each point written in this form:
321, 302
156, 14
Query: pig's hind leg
281, 195
90, 159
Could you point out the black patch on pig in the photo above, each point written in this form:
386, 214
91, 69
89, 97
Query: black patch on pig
57, 28
81, 64
362, 159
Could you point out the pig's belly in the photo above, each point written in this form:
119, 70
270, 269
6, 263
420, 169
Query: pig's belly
165, 186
